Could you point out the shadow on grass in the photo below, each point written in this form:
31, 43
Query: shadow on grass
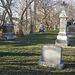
44, 38
34, 72
68, 55
70, 66
19, 64
17, 54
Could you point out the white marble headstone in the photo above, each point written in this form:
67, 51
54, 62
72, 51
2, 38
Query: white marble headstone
51, 56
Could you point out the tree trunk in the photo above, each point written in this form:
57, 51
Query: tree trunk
34, 15
26, 18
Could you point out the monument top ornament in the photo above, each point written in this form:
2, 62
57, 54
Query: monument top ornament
63, 13
64, 4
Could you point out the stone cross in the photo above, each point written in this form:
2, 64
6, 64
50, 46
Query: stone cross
63, 5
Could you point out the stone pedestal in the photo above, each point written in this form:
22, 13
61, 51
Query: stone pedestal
10, 37
62, 38
51, 56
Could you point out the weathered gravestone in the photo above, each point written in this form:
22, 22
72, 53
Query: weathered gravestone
41, 27
51, 56
8, 31
71, 31
62, 38
46, 28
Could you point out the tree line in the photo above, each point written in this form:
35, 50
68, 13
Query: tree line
34, 11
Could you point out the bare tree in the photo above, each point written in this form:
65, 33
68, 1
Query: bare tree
3, 19
47, 8
26, 16
70, 10
7, 6
22, 15
21, 19
34, 15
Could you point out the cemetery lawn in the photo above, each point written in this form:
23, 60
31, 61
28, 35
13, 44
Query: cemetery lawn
21, 56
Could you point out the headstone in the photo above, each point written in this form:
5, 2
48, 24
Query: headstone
46, 28
62, 38
51, 56
54, 27
71, 31
8, 31
41, 28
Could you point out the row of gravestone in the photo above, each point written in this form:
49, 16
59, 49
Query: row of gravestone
51, 56
8, 31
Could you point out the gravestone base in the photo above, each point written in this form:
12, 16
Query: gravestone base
32, 33
10, 37
62, 42
41, 30
48, 64
71, 35
71, 32
62, 39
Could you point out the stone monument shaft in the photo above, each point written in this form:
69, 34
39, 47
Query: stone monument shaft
62, 38
63, 19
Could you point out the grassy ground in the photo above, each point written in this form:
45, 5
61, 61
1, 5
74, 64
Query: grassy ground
20, 56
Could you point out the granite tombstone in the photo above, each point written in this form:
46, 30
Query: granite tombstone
71, 31
41, 27
8, 31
